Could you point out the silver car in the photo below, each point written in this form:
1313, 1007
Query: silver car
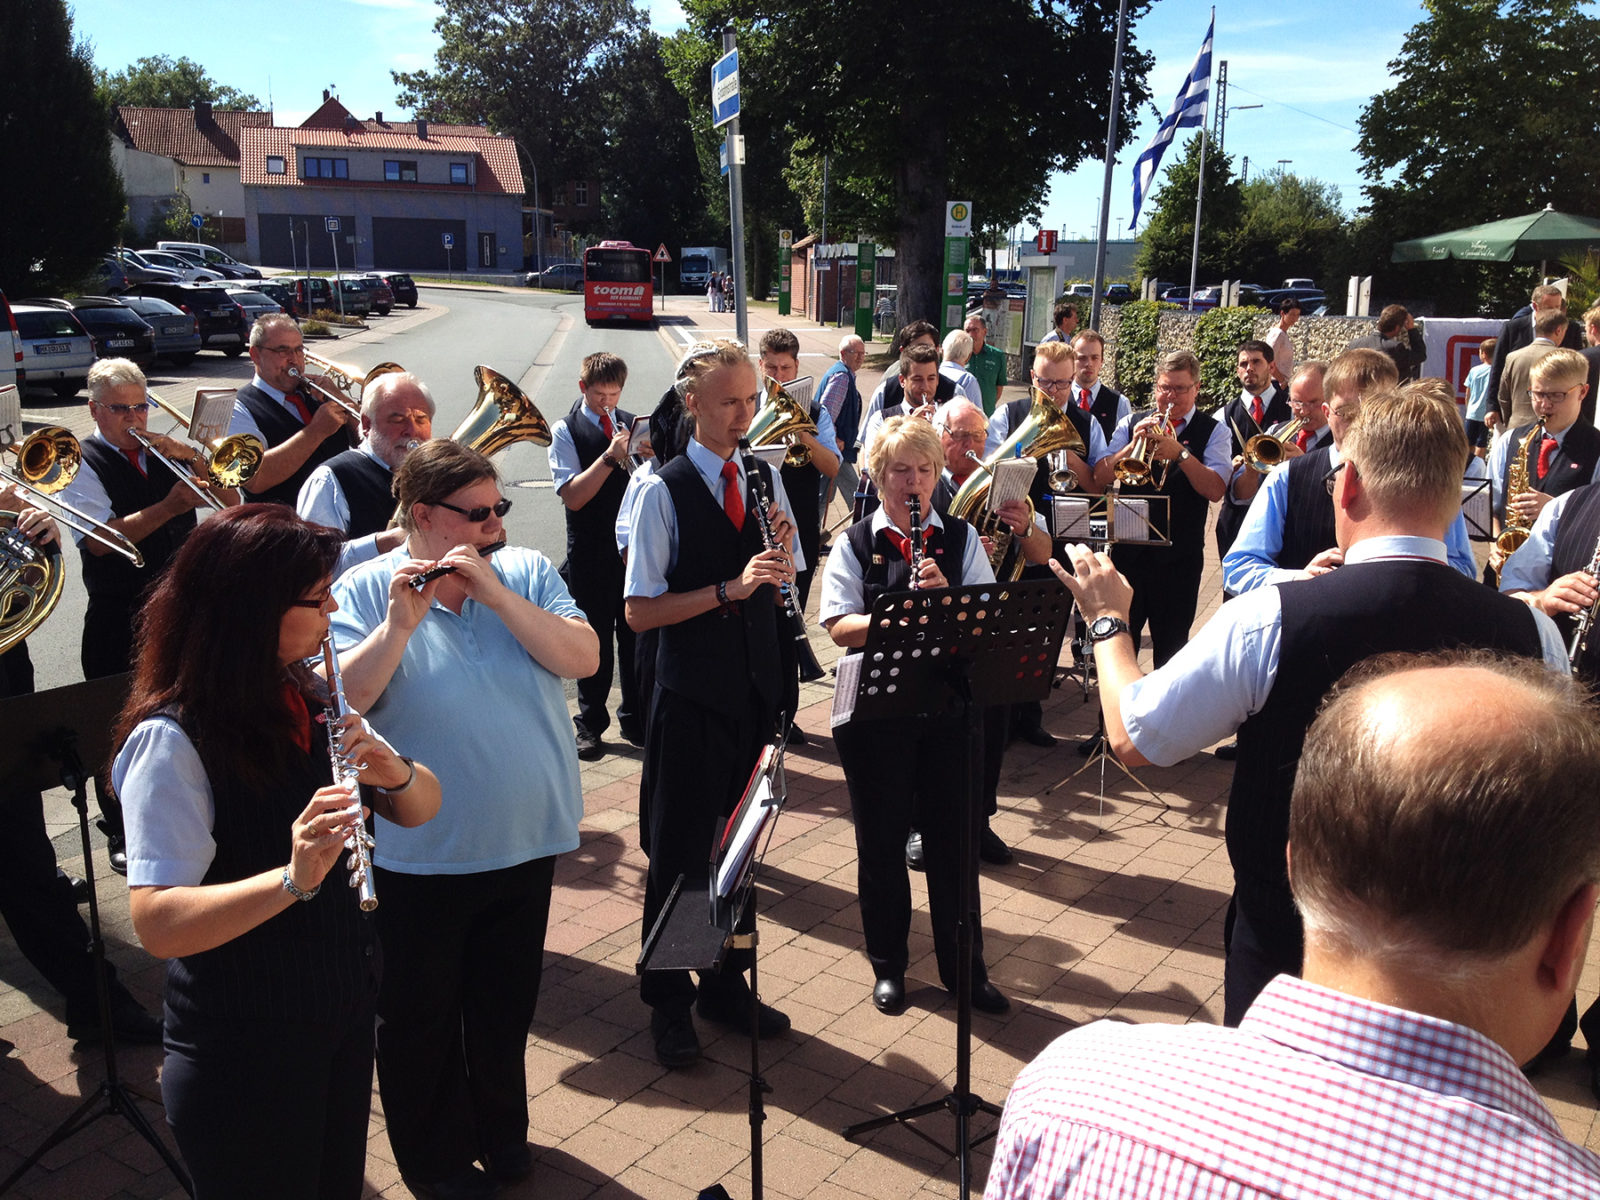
188, 270
57, 351
254, 304
177, 333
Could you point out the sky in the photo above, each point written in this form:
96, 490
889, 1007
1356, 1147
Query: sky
1311, 68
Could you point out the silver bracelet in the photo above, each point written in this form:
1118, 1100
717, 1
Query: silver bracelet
288, 886
410, 779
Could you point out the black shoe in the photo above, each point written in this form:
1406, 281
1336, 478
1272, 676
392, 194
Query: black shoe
677, 1044
632, 732
1090, 745
1227, 752
1036, 735
1554, 1052
117, 851
589, 747
733, 1011
797, 736
986, 998
469, 1183
914, 859
889, 995
130, 1024
991, 849
78, 884
509, 1166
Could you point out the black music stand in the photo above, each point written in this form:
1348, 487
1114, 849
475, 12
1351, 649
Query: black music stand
697, 925
958, 651
49, 737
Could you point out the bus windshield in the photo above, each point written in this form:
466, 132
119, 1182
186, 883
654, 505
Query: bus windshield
617, 266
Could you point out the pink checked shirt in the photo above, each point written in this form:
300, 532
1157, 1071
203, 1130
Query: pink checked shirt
1316, 1095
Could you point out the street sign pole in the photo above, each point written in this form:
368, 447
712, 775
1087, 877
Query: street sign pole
725, 97
332, 224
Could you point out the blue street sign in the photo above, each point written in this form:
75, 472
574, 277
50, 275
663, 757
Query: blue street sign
722, 153
331, 224
197, 221
449, 241
725, 89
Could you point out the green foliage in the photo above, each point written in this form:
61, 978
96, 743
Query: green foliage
312, 327
1168, 241
159, 81
1291, 226
63, 198
169, 222
1446, 146
1217, 335
1138, 335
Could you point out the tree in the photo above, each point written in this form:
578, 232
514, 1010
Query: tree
162, 82
934, 101
64, 201
1290, 226
1493, 113
1168, 243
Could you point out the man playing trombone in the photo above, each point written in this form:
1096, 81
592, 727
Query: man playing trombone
300, 433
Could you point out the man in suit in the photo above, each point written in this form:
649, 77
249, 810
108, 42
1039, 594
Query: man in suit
1101, 401
1260, 404
1518, 332
1591, 352
1549, 332
1265, 662
1564, 457
299, 434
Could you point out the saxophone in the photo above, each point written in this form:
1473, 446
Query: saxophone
1512, 535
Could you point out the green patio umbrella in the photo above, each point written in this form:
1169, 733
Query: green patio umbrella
1536, 237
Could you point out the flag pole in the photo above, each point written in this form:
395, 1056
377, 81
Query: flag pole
1199, 203
1111, 156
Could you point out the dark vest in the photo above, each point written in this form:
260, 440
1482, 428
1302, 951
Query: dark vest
592, 529
720, 657
1308, 510
366, 485
278, 425
1236, 419
1329, 624
1103, 408
1577, 536
314, 961
1039, 490
885, 569
1188, 509
111, 575
848, 423
1571, 466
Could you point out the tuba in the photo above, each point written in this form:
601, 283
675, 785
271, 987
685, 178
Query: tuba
785, 415
1044, 431
1513, 535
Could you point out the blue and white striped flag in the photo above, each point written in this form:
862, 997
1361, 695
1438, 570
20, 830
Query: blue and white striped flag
1189, 109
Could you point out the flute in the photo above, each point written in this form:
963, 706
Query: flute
418, 582
358, 841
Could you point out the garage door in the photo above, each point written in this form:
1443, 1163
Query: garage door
285, 239
417, 243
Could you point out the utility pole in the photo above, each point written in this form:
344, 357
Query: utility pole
736, 211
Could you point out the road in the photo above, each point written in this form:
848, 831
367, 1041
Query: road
538, 340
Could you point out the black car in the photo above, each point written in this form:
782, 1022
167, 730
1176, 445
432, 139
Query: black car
177, 333
114, 328
1120, 293
402, 285
222, 325
281, 295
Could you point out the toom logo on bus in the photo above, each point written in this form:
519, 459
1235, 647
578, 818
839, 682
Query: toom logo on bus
619, 291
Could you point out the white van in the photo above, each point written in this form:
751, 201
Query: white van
224, 264
11, 370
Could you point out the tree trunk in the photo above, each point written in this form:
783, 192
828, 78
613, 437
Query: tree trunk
920, 192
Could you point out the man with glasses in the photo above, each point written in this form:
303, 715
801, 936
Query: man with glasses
300, 433
1263, 664
1566, 454
478, 692
1189, 469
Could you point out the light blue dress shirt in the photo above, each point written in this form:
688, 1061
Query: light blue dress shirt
323, 502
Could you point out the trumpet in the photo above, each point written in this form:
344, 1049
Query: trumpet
358, 841
1141, 467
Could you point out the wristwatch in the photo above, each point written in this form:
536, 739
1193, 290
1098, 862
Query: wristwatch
1183, 454
1102, 628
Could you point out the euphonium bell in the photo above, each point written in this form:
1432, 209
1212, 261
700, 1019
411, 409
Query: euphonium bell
784, 416
502, 416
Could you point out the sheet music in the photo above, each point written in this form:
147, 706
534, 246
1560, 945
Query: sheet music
1011, 480
1475, 508
773, 456
846, 682
213, 413
1072, 519
638, 434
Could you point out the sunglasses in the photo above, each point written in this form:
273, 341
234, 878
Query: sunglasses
476, 515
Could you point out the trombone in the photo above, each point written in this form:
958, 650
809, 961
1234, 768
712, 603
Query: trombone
46, 462
344, 378
229, 461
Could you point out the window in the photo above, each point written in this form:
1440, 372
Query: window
205, 176
327, 168
458, 173
274, 164
559, 200
580, 194
400, 170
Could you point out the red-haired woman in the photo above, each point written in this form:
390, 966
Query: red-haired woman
234, 824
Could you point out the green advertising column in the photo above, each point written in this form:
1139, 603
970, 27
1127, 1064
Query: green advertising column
785, 260
957, 253
866, 261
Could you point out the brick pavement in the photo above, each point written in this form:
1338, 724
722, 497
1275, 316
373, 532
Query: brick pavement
1112, 907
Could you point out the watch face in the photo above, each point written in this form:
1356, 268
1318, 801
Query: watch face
1104, 627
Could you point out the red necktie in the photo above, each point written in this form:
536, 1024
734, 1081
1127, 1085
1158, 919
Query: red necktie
1083, 399
732, 501
1547, 450
133, 457
1257, 411
606, 427
1303, 438
900, 542
299, 403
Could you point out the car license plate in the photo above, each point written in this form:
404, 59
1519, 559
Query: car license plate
174, 329
224, 337
120, 343
222, 312
52, 348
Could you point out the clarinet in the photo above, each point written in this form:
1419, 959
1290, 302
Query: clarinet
810, 668
914, 507
358, 841
1580, 630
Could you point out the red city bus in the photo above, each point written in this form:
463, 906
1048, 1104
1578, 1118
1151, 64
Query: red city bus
617, 283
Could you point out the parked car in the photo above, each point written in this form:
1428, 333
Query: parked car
123, 269
11, 368
188, 267
310, 292
1309, 298
561, 277
252, 305
1082, 290
1175, 295
355, 296
57, 350
402, 285
278, 293
1296, 282
1119, 293
382, 294
117, 330
221, 320
210, 256
177, 333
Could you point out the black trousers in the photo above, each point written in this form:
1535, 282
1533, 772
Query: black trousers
1166, 593
1262, 937
594, 578
261, 1111
807, 502
1230, 519
699, 762
107, 649
462, 956
902, 774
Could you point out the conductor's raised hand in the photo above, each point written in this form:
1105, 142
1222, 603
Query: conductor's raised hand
1095, 583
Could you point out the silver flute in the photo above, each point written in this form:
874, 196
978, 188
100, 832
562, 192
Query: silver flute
357, 840
914, 507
